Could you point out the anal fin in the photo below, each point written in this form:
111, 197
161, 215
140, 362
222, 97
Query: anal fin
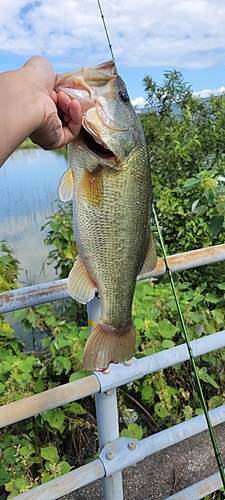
151, 257
80, 285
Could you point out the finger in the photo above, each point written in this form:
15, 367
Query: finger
63, 101
75, 112
71, 131
67, 105
72, 114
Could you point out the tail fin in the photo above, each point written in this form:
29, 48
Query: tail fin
107, 344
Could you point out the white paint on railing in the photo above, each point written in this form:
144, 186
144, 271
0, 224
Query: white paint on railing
65, 484
199, 490
116, 376
57, 290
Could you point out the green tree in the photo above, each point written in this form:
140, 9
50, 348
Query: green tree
185, 136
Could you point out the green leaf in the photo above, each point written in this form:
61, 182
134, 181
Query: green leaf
4, 477
191, 182
20, 314
2, 387
215, 401
194, 205
61, 364
79, 374
203, 375
166, 329
139, 323
167, 344
64, 467
199, 411
46, 341
76, 408
84, 334
9, 455
196, 317
197, 299
50, 453
210, 297
54, 417
20, 483
133, 431
50, 321
215, 224
218, 316
148, 393
43, 309
46, 478
27, 365
201, 210
161, 410
26, 451
39, 386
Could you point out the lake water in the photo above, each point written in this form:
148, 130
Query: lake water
28, 189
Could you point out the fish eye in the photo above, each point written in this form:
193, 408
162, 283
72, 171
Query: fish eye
124, 96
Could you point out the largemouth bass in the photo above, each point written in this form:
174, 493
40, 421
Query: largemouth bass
109, 182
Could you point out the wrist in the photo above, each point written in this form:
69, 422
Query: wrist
31, 101
21, 109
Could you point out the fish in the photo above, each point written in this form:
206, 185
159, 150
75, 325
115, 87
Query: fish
109, 181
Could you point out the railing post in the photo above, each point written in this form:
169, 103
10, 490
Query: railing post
108, 431
107, 419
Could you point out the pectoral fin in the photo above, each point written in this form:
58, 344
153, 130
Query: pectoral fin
65, 188
91, 187
151, 257
80, 285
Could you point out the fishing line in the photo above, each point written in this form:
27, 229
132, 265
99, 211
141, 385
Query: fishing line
192, 359
183, 325
106, 32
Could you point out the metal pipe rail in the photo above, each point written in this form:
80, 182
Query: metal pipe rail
199, 490
65, 484
115, 453
104, 382
122, 451
57, 290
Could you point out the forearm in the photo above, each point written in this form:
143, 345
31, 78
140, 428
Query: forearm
21, 113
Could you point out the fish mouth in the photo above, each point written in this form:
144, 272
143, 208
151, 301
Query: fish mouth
89, 86
94, 146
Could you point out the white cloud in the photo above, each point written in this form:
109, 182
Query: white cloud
183, 33
207, 92
138, 102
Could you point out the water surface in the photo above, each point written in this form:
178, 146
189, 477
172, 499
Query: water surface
28, 189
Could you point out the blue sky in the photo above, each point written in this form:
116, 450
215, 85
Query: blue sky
148, 38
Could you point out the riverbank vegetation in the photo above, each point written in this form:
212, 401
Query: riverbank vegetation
186, 141
28, 144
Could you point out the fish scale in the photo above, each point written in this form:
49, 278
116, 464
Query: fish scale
112, 205
118, 235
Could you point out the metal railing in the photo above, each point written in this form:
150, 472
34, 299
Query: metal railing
116, 453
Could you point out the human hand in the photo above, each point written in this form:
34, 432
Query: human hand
59, 116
